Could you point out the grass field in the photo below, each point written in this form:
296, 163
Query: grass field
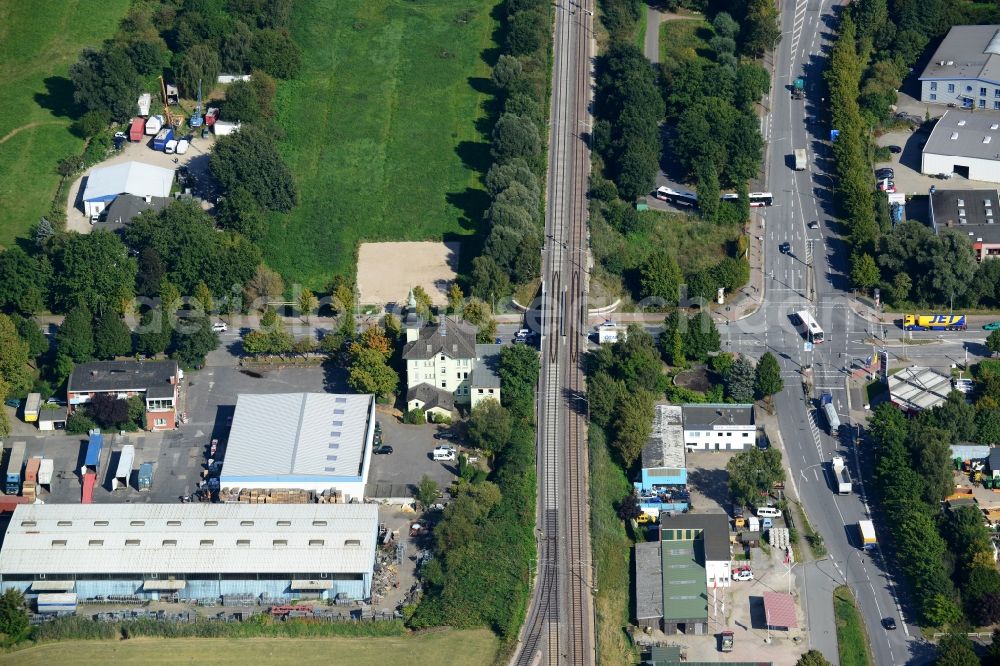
39, 40
612, 551
384, 130
852, 642
445, 647
684, 38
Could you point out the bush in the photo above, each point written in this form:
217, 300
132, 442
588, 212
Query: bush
79, 423
415, 417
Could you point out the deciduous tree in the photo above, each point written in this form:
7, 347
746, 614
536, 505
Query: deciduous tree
739, 380
752, 474
767, 376
307, 303
112, 338
489, 427
75, 337
249, 159
13, 357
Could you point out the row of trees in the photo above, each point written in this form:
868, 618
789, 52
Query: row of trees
512, 254
486, 533
189, 42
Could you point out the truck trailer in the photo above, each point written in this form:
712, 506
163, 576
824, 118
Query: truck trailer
30, 487
15, 463
45, 469
92, 459
124, 470
801, 161
165, 136
841, 476
31, 406
59, 603
830, 412
867, 531
936, 322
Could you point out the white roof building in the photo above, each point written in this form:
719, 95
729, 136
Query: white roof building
917, 388
136, 178
311, 441
160, 547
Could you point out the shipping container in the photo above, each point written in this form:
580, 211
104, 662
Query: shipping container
45, 469
10, 502
14, 465
145, 480
31, 407
92, 460
61, 602
165, 136
153, 125
89, 481
137, 129
31, 470
124, 470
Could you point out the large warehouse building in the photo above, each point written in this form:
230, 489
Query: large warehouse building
195, 550
966, 144
308, 441
104, 185
965, 69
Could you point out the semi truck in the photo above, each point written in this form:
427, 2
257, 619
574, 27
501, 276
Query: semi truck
799, 89
15, 463
867, 531
830, 412
841, 476
31, 406
163, 137
801, 160
935, 322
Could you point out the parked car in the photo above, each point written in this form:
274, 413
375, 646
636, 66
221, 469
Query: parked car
645, 519
895, 150
444, 453
743, 574
219, 327
887, 186
383, 450
785, 248
12, 402
445, 434
885, 172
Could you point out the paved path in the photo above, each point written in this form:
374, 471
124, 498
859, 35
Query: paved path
653, 18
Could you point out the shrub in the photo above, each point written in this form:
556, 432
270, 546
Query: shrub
415, 417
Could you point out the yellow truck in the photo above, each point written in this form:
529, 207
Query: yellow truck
31, 407
867, 530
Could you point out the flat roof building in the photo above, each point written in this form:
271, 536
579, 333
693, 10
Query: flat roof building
719, 427
917, 388
662, 484
965, 143
965, 69
155, 381
280, 551
105, 184
969, 212
309, 441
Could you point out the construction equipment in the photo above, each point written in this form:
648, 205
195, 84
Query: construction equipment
166, 103
196, 117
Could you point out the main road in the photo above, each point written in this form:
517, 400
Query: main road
814, 276
560, 625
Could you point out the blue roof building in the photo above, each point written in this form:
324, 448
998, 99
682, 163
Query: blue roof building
662, 484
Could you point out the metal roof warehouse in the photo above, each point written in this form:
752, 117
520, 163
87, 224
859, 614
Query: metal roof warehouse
196, 550
311, 441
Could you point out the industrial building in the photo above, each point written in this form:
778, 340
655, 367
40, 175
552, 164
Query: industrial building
972, 212
965, 69
917, 388
196, 551
104, 185
719, 427
155, 381
662, 484
309, 441
711, 532
966, 144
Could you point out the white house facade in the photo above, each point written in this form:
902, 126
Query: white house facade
719, 427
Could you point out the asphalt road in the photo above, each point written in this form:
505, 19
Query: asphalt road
560, 622
814, 276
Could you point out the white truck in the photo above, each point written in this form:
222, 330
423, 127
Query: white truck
801, 161
841, 476
867, 530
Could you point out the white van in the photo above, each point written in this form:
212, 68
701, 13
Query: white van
170, 147
768, 512
444, 453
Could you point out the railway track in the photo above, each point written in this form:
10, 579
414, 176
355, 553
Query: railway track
559, 626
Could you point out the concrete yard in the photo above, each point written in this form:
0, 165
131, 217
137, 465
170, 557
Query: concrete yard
387, 271
411, 460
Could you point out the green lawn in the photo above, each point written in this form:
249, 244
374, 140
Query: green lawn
696, 244
612, 552
444, 647
384, 130
852, 641
684, 38
39, 40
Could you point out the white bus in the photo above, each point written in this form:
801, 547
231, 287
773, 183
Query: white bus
807, 326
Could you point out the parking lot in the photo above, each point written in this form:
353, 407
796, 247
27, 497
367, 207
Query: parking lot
906, 165
398, 474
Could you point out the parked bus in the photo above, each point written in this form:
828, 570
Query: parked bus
689, 199
807, 326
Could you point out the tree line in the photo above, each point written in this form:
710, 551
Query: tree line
484, 543
946, 555
512, 252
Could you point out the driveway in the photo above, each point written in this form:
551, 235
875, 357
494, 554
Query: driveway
399, 474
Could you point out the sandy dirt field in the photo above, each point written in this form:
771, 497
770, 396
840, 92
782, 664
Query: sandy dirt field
387, 271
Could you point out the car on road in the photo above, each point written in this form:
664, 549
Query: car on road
992, 326
383, 450
498, 341
895, 150
219, 327
445, 434
814, 224
889, 623
785, 248
886, 172
444, 453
